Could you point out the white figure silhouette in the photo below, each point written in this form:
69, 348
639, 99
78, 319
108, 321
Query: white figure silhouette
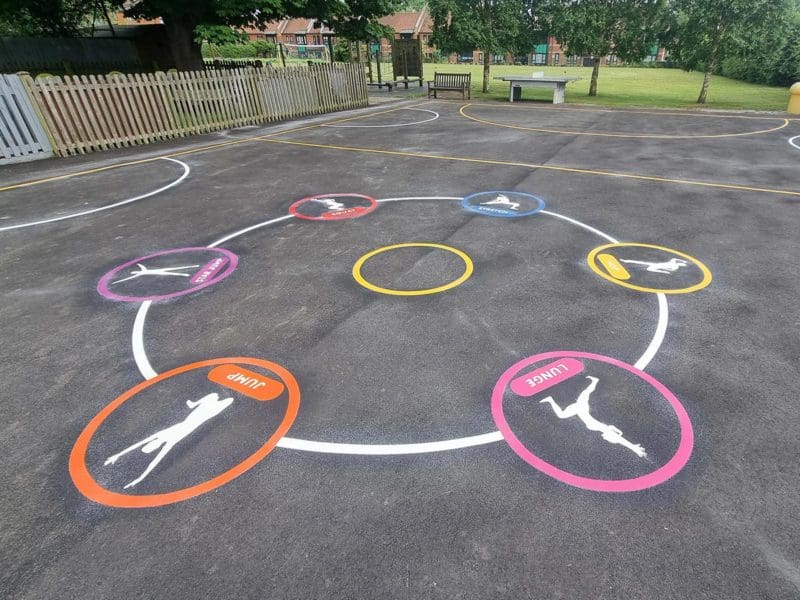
204, 409
501, 199
580, 409
330, 203
163, 271
670, 266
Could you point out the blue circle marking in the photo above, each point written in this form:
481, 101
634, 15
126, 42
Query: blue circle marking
501, 203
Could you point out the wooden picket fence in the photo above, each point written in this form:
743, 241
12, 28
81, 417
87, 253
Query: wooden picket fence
96, 112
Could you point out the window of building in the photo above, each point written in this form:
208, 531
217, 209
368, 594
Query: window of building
406, 36
301, 39
539, 59
572, 59
556, 58
612, 59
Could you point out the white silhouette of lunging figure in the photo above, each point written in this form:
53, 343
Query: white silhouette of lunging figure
670, 266
580, 409
330, 203
501, 199
204, 409
165, 271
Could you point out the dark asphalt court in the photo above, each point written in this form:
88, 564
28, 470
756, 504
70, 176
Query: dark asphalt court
245, 419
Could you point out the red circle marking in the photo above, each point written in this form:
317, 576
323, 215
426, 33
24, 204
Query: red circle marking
87, 485
660, 475
348, 213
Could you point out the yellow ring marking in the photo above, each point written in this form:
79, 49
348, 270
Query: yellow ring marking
484, 161
462, 112
442, 288
131, 163
698, 286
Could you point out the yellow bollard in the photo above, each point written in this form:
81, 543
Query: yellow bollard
794, 99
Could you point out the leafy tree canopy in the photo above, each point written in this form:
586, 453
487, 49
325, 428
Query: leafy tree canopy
493, 26
626, 28
703, 33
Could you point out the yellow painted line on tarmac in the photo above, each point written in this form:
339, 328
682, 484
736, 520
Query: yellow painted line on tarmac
205, 148
462, 112
707, 184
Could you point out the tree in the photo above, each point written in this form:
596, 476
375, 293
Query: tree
597, 28
188, 20
494, 26
45, 17
704, 32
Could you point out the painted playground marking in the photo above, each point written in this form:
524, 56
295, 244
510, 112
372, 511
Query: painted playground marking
333, 207
428, 120
83, 213
463, 113
185, 279
610, 433
468, 268
148, 372
503, 204
793, 143
165, 439
614, 271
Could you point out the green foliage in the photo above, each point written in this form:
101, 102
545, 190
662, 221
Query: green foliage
45, 17
494, 26
256, 49
703, 33
627, 28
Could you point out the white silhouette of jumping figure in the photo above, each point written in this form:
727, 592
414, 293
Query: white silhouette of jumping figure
501, 199
330, 203
580, 409
203, 410
670, 266
163, 271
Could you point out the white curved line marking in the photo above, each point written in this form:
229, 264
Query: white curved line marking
147, 371
791, 141
186, 171
428, 120
385, 449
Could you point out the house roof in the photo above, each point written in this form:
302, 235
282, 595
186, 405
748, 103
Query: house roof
409, 22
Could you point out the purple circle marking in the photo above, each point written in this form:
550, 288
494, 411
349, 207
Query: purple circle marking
660, 475
103, 289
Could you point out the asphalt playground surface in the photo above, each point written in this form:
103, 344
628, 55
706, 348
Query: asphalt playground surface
314, 360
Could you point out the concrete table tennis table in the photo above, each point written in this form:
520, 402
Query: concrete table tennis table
559, 85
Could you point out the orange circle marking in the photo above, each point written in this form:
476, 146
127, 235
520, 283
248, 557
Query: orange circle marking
87, 485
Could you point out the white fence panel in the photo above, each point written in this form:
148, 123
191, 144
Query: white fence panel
21, 134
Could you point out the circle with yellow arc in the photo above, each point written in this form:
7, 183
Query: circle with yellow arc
612, 270
468, 268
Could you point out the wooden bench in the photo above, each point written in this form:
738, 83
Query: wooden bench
451, 82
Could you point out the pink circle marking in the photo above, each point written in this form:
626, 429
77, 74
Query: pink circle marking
660, 475
348, 213
103, 289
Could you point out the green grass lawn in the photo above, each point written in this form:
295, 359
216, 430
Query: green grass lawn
630, 86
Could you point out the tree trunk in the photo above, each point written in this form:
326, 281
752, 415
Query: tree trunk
487, 61
706, 83
712, 62
185, 51
595, 73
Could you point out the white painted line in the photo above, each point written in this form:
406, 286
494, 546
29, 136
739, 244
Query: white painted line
793, 143
428, 120
230, 236
186, 171
385, 449
147, 371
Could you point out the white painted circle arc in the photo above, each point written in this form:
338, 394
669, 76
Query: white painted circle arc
795, 141
147, 371
428, 120
83, 213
